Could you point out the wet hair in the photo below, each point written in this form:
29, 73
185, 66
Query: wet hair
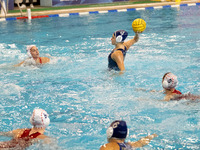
165, 76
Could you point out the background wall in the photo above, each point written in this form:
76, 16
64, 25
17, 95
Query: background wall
75, 2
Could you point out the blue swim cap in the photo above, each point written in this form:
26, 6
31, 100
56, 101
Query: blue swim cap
120, 35
117, 129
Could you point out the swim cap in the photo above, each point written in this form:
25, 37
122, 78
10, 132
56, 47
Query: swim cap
170, 81
120, 35
117, 129
28, 49
39, 118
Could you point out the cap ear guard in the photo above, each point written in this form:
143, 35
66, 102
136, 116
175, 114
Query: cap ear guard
119, 39
127, 133
165, 84
117, 129
109, 132
120, 35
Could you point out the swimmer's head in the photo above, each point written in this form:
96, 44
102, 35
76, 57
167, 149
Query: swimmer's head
40, 118
28, 50
120, 35
169, 81
118, 129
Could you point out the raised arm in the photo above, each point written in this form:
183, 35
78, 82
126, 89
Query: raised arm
143, 141
129, 43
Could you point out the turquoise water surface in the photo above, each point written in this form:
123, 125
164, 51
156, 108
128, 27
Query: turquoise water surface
83, 98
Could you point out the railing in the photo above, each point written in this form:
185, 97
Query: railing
3, 8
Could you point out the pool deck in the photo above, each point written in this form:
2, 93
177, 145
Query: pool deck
92, 9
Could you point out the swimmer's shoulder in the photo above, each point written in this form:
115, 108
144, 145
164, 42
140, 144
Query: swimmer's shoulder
110, 146
18, 132
168, 97
45, 59
126, 46
117, 55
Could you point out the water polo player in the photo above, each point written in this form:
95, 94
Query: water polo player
33, 57
169, 82
117, 132
22, 138
117, 55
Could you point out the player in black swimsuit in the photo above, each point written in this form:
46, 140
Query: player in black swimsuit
117, 56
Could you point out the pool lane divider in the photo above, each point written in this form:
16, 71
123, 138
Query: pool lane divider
100, 12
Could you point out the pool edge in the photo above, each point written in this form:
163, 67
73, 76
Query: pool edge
92, 10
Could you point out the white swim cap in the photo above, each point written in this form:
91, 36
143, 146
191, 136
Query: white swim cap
170, 81
39, 118
28, 49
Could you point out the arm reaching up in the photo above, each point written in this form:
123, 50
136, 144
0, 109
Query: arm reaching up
129, 43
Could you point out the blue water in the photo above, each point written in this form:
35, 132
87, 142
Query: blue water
83, 98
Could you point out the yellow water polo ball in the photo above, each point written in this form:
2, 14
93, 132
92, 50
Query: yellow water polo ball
138, 25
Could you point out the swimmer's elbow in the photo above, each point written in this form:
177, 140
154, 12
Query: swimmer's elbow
122, 70
120, 65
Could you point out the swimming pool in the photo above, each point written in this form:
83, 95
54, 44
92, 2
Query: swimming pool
83, 98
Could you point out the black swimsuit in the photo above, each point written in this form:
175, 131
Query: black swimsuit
112, 65
124, 146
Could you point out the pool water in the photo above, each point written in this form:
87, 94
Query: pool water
83, 98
